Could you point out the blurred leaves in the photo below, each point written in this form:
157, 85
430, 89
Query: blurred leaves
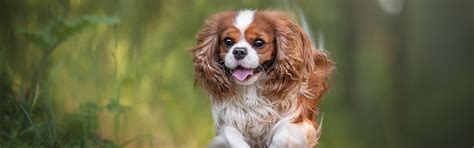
59, 29
85, 124
114, 106
41, 121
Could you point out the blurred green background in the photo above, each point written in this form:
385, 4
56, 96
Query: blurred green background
116, 73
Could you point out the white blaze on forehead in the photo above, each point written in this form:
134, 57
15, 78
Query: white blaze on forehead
243, 19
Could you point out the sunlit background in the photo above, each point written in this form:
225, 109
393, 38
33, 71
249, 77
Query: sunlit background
117, 73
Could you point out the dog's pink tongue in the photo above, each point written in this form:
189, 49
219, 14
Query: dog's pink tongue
241, 74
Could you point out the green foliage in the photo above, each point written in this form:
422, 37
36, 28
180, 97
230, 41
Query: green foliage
115, 107
79, 128
59, 29
30, 127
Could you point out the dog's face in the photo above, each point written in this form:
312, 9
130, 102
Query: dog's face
264, 48
246, 46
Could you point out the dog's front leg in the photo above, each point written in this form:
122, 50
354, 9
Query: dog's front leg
229, 137
293, 135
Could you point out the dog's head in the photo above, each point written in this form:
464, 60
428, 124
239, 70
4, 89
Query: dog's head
264, 48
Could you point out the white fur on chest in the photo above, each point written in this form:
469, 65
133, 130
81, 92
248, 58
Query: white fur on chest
250, 120
251, 114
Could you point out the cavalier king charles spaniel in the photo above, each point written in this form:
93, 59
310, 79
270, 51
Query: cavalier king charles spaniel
264, 77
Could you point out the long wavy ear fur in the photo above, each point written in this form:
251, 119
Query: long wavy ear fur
296, 60
208, 72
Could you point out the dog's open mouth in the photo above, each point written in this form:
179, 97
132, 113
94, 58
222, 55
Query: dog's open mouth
241, 74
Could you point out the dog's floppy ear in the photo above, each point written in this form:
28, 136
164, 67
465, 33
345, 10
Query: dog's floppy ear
296, 59
286, 71
208, 72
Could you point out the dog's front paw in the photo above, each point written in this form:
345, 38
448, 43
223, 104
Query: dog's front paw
285, 141
289, 136
228, 137
218, 142
222, 142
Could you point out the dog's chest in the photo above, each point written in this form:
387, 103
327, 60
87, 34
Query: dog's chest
251, 114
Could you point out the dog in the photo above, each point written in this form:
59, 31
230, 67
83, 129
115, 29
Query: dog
264, 77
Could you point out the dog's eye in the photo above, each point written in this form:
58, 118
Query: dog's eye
228, 42
259, 43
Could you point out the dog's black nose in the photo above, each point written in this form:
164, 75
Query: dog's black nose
239, 53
